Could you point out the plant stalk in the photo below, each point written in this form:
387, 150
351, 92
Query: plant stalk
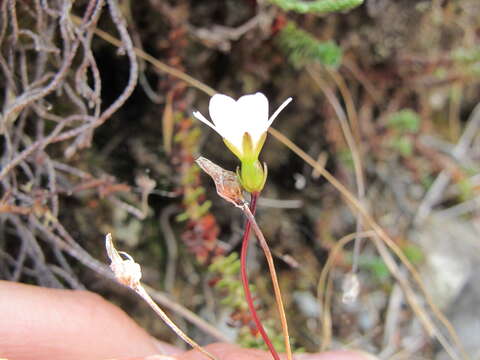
273, 274
244, 276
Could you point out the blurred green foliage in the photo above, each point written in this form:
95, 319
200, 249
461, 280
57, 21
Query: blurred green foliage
249, 340
413, 253
346, 158
379, 269
468, 60
403, 123
466, 189
302, 48
405, 120
403, 145
319, 6
228, 270
466, 56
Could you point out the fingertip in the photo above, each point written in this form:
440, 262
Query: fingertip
60, 324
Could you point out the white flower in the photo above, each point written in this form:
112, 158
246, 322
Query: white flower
233, 119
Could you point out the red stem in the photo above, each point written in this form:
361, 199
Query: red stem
246, 288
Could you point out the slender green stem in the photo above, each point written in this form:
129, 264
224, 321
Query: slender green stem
246, 287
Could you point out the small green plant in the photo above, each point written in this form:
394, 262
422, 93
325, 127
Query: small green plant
227, 268
249, 340
466, 56
346, 158
319, 6
403, 145
413, 252
466, 189
302, 48
405, 120
376, 266
403, 124
185, 144
468, 59
379, 269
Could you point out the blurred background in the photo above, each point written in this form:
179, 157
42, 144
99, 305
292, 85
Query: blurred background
97, 136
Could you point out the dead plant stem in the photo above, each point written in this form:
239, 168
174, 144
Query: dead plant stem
350, 140
145, 296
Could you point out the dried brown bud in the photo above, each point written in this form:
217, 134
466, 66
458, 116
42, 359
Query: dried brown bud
127, 271
226, 182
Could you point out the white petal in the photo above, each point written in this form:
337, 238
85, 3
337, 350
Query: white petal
203, 119
253, 115
224, 113
280, 108
221, 108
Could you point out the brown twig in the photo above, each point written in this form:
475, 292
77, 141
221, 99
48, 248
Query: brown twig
349, 138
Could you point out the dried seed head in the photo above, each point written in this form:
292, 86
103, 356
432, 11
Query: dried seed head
351, 288
127, 271
226, 182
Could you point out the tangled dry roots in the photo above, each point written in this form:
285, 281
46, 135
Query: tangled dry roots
51, 88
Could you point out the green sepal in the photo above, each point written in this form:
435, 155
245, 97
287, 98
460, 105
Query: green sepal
252, 175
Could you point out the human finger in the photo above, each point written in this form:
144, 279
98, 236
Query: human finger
55, 324
234, 352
